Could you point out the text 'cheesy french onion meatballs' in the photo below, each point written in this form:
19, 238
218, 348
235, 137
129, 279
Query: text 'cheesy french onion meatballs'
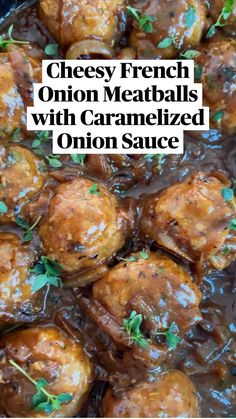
17, 302
84, 228
192, 219
21, 177
181, 23
18, 71
228, 25
171, 395
155, 287
76, 20
44, 353
217, 61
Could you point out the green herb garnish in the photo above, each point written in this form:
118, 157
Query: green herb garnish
42, 399
78, 158
218, 116
227, 193
198, 70
51, 50
172, 339
232, 225
167, 42
132, 328
41, 138
94, 189
16, 134
53, 161
130, 259
28, 229
144, 255
47, 273
222, 18
144, 21
190, 54
190, 17
226, 251
6, 39
3, 207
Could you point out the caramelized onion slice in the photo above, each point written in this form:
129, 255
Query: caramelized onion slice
89, 49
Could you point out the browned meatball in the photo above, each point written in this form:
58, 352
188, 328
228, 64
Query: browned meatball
84, 228
76, 20
218, 75
18, 70
21, 176
192, 219
229, 25
17, 301
43, 353
171, 395
181, 21
155, 287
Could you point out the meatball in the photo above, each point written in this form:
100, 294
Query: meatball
77, 20
192, 219
43, 353
18, 71
171, 395
84, 228
217, 61
17, 302
155, 287
182, 22
230, 23
21, 177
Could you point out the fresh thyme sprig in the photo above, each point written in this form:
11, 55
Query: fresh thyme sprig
132, 328
28, 229
47, 272
78, 158
172, 339
144, 21
42, 399
222, 18
7, 39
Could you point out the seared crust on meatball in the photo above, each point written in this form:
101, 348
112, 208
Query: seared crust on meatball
43, 352
156, 285
218, 64
84, 228
155, 288
18, 71
21, 177
192, 219
171, 22
171, 395
17, 302
75, 20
